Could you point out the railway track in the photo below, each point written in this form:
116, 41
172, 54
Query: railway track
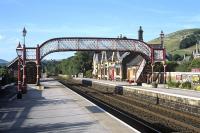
139, 114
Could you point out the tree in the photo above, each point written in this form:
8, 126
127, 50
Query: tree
176, 57
169, 57
6, 77
183, 67
194, 64
171, 66
190, 40
80, 62
3, 71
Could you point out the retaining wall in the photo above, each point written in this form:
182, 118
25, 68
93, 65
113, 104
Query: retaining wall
182, 103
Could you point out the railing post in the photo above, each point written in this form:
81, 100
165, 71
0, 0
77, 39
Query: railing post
164, 65
152, 64
38, 65
152, 71
24, 84
120, 71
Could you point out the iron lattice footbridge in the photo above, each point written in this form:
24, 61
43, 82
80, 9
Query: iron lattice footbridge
93, 44
36, 54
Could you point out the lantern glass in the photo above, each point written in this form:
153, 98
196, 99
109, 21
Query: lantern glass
162, 34
19, 50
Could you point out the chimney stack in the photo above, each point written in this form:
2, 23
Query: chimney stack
140, 34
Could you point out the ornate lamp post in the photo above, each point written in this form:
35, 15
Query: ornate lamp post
24, 34
19, 51
162, 38
24, 85
162, 35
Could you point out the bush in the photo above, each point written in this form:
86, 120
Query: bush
171, 84
88, 74
184, 67
171, 66
186, 85
197, 88
6, 77
154, 85
177, 57
174, 84
177, 84
194, 64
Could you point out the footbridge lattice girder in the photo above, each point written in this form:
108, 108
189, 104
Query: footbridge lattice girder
94, 44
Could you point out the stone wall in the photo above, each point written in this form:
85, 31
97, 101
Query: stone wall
180, 103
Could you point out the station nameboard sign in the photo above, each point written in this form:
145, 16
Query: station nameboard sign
158, 55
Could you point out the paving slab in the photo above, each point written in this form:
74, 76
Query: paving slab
56, 109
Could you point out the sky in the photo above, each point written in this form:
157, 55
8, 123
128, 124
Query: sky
46, 19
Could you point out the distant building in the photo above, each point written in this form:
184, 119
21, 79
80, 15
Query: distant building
196, 52
186, 58
121, 65
12, 67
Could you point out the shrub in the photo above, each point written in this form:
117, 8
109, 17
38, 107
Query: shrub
177, 84
184, 67
171, 66
194, 63
154, 85
174, 84
6, 77
88, 74
197, 88
171, 84
186, 85
177, 57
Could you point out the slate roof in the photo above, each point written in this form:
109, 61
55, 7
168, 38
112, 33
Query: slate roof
136, 61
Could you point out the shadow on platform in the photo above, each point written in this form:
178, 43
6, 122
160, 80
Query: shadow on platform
58, 127
14, 115
47, 80
94, 109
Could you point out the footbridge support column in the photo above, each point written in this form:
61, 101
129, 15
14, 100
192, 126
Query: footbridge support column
38, 65
24, 84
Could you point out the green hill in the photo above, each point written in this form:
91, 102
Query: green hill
3, 62
172, 41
